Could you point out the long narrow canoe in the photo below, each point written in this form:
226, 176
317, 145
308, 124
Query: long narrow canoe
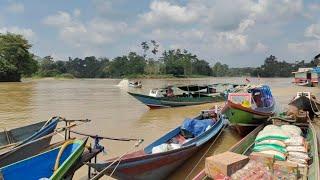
244, 117
144, 164
22, 135
175, 101
52, 164
245, 146
13, 152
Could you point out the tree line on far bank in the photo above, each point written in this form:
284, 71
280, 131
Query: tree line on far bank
16, 61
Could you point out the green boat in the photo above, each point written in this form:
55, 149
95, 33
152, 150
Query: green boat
53, 164
249, 108
245, 147
175, 96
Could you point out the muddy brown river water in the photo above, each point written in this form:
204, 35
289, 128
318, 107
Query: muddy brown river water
115, 113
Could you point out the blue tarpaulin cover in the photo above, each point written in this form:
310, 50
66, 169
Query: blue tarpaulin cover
196, 126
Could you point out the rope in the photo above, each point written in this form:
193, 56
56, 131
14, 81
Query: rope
315, 112
282, 119
205, 153
101, 173
109, 138
62, 148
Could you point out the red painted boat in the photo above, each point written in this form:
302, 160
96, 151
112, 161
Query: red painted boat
144, 164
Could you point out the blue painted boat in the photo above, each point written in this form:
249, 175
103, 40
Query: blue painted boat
52, 164
145, 164
21, 138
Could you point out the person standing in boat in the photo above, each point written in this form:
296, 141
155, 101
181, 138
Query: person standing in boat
170, 92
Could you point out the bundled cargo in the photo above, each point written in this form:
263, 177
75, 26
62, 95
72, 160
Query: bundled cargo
271, 141
253, 170
272, 132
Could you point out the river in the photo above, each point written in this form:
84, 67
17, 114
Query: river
115, 113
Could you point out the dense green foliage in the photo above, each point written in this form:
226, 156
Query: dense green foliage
17, 61
272, 67
15, 58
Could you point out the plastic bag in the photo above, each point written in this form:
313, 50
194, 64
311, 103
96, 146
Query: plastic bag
266, 147
299, 161
276, 134
295, 141
291, 130
298, 155
161, 148
252, 171
297, 149
272, 142
271, 128
278, 155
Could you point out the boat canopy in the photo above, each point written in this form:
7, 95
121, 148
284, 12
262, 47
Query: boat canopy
193, 87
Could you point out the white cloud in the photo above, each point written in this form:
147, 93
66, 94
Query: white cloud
76, 12
85, 34
313, 31
260, 48
59, 20
306, 47
15, 8
26, 32
163, 12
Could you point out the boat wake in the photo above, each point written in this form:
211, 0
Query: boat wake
123, 84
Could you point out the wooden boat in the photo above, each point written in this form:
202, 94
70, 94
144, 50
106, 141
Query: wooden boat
135, 84
53, 164
249, 109
245, 146
144, 164
306, 83
22, 135
191, 95
306, 101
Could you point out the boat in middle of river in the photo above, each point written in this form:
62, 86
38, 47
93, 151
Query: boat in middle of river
249, 108
190, 95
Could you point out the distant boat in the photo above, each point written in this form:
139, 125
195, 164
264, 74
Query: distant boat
190, 95
249, 108
148, 164
307, 76
52, 164
135, 84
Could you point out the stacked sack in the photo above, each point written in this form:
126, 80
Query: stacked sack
296, 145
271, 140
282, 142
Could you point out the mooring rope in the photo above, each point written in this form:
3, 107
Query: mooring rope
205, 152
109, 138
101, 173
315, 112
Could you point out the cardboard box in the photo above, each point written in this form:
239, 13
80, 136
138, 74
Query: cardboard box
285, 170
265, 159
225, 163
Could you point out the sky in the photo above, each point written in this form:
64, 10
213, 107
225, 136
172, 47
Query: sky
235, 32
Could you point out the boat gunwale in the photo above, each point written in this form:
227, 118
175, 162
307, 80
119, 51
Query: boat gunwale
230, 104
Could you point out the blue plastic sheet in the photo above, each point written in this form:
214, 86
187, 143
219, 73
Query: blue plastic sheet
195, 126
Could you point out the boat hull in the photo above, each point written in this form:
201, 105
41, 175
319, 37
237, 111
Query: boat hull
177, 101
155, 167
27, 147
306, 104
245, 119
140, 165
43, 164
